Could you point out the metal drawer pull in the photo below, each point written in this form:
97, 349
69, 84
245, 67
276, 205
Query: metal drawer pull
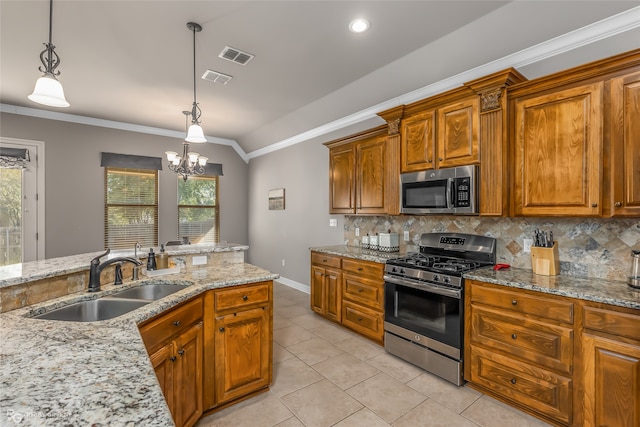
617, 204
172, 358
221, 329
181, 352
514, 336
244, 298
514, 302
176, 323
513, 380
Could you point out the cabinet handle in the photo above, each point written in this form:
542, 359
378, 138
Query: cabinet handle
181, 352
324, 260
359, 319
440, 159
430, 161
513, 380
594, 205
172, 358
617, 204
176, 323
221, 329
244, 298
514, 336
514, 302
360, 290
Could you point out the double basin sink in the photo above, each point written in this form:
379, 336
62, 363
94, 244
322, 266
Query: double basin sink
111, 306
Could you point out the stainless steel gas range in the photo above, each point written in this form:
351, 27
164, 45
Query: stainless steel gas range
424, 301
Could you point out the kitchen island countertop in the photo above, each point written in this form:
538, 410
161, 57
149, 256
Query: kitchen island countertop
96, 373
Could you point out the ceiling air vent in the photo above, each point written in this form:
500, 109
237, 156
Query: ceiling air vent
235, 55
216, 77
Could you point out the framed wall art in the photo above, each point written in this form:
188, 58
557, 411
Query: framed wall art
276, 199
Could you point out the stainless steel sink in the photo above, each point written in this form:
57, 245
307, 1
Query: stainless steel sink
93, 310
149, 292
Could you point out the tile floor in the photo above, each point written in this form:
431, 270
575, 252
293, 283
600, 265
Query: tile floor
325, 375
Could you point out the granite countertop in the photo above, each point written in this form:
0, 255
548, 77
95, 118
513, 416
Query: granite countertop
16, 274
95, 373
612, 292
359, 253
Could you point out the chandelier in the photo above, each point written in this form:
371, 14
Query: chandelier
48, 90
190, 163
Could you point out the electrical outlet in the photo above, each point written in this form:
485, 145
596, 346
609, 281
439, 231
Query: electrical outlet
283, 262
527, 246
199, 260
357, 231
333, 222
406, 236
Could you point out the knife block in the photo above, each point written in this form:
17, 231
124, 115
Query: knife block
545, 261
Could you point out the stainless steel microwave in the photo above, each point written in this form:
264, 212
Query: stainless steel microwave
440, 191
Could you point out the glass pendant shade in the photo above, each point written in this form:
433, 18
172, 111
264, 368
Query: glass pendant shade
202, 160
171, 155
48, 91
195, 134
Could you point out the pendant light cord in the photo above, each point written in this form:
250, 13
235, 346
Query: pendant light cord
50, 45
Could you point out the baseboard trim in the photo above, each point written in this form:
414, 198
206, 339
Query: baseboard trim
295, 285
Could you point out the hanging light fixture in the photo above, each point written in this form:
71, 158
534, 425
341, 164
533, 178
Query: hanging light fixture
195, 133
48, 90
190, 163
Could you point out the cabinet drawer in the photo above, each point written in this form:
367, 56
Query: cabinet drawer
520, 302
538, 389
240, 297
325, 260
363, 268
369, 292
612, 322
541, 343
166, 326
363, 320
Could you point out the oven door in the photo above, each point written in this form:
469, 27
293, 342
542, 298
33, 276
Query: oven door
427, 313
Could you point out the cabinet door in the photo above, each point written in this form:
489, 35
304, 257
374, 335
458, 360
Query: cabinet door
458, 127
242, 353
418, 142
333, 298
188, 385
317, 289
558, 152
370, 176
612, 382
625, 145
163, 362
341, 180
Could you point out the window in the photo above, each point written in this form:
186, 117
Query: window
198, 209
131, 207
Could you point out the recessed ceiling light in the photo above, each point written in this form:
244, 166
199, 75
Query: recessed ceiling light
359, 25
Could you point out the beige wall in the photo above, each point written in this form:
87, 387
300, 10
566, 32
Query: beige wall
74, 181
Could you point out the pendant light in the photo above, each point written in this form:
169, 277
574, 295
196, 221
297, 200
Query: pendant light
195, 133
189, 163
48, 90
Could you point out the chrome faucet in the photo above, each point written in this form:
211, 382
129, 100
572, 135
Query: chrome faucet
96, 268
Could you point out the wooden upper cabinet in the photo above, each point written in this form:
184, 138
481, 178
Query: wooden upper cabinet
625, 145
418, 142
458, 126
342, 179
558, 152
363, 176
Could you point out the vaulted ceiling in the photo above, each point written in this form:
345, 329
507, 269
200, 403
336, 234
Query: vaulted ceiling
132, 61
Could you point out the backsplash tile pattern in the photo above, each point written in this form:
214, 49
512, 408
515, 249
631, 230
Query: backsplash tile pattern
588, 247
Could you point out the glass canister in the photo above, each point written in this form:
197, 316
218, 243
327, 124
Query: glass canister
634, 276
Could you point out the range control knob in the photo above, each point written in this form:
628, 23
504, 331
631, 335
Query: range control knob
394, 270
436, 278
447, 279
402, 271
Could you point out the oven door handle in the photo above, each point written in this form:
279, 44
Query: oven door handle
425, 287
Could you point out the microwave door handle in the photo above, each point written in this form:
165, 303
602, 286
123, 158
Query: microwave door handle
450, 193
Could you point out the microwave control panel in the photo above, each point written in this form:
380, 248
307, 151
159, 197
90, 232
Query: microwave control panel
462, 192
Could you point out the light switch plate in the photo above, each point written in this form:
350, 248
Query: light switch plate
199, 260
357, 231
406, 236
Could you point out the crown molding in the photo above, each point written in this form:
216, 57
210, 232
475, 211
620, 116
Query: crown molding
92, 121
608, 27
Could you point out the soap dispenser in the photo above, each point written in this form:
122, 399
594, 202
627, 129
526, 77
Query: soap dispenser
151, 260
162, 259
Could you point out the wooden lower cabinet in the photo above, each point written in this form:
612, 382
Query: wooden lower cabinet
326, 284
569, 362
242, 353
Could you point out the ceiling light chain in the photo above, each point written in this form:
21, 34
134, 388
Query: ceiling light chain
48, 90
195, 132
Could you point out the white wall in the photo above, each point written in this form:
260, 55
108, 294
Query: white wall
74, 181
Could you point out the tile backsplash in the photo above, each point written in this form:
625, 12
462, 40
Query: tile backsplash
588, 247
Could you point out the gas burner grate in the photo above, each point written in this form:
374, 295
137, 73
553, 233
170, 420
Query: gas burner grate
456, 266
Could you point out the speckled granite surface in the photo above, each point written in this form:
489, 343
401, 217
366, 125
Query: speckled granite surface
55, 373
598, 290
35, 270
359, 253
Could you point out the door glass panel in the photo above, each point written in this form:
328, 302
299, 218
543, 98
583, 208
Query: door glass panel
10, 216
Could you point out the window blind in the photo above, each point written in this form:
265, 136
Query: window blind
198, 209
